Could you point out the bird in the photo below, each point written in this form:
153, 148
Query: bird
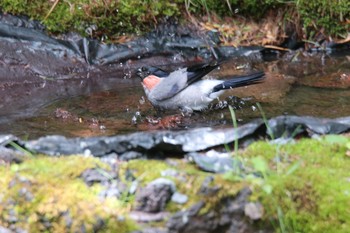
185, 89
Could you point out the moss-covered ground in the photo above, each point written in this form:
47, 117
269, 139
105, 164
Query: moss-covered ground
303, 185
306, 185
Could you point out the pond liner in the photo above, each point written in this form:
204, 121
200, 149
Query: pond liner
164, 41
181, 142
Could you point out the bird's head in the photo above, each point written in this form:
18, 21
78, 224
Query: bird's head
148, 77
144, 71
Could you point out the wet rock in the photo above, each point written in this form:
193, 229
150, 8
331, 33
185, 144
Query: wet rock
179, 198
154, 197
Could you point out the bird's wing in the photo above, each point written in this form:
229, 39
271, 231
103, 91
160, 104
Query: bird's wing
196, 72
170, 86
180, 79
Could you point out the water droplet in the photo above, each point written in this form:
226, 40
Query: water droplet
134, 120
127, 75
142, 100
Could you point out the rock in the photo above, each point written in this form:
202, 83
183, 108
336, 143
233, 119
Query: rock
155, 195
5, 230
183, 219
133, 187
151, 230
141, 216
186, 141
97, 175
228, 216
206, 189
129, 155
114, 189
10, 156
179, 198
215, 162
169, 172
5, 139
254, 210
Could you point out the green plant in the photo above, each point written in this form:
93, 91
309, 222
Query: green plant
328, 15
21, 149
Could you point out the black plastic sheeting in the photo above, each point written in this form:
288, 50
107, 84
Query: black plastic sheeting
165, 40
181, 142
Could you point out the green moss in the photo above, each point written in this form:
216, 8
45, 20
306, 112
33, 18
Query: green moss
110, 18
303, 186
329, 15
47, 194
316, 195
94, 18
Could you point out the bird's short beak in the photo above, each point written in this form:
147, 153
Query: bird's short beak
139, 73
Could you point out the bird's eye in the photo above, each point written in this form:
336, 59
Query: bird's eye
144, 69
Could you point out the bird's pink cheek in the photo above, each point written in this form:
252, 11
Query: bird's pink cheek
150, 82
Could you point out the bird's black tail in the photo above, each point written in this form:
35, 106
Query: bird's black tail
240, 81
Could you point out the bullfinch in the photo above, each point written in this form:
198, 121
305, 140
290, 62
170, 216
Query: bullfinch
185, 89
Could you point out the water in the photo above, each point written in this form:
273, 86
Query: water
115, 104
